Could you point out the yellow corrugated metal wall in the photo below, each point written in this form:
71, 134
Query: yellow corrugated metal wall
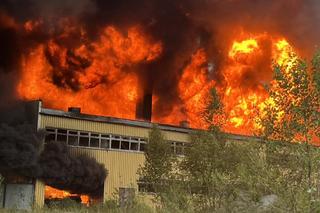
39, 194
122, 166
101, 127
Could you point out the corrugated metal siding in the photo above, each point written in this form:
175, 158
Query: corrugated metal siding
122, 167
39, 194
100, 127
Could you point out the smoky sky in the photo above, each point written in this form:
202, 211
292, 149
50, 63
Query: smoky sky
182, 26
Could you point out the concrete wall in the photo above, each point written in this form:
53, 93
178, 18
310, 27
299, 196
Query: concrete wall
19, 196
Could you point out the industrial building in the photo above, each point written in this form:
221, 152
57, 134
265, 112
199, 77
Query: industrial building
118, 144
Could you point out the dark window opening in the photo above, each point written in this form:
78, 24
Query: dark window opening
105, 143
94, 142
50, 137
105, 136
142, 147
63, 131
84, 133
83, 141
73, 140
62, 138
115, 144
134, 146
125, 145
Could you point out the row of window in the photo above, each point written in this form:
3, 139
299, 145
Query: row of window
104, 141
95, 140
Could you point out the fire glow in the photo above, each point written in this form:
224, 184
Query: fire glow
101, 76
53, 193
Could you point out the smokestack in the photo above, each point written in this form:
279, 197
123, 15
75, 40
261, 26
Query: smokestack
144, 108
75, 110
185, 124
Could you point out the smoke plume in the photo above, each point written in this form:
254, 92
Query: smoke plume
182, 27
23, 153
81, 175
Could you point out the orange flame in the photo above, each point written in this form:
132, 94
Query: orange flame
53, 193
102, 79
107, 56
242, 103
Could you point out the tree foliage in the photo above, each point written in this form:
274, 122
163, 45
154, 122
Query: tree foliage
278, 172
292, 112
290, 125
159, 160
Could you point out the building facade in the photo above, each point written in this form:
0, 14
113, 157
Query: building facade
118, 144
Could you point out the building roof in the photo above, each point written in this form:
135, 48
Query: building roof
134, 123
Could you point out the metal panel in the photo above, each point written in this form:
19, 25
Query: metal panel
122, 167
39, 194
19, 196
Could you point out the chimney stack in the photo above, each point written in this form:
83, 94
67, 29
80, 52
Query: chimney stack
144, 108
185, 124
75, 110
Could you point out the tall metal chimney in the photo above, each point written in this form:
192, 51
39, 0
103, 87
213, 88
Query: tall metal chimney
144, 107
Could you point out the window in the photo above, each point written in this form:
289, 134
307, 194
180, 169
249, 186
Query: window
50, 137
84, 141
105, 143
178, 148
142, 147
115, 144
94, 142
125, 145
61, 138
72, 140
62, 131
134, 146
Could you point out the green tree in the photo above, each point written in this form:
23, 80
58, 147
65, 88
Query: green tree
208, 168
159, 161
210, 162
213, 113
291, 115
292, 112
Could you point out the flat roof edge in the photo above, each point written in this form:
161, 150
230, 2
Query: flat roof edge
136, 123
112, 120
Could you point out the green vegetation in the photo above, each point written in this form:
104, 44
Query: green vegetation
280, 173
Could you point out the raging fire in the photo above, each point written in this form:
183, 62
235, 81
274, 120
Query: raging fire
102, 76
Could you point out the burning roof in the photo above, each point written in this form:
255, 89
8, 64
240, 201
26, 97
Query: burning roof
106, 56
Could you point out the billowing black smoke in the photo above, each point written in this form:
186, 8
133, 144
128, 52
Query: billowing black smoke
19, 151
23, 153
81, 175
181, 25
